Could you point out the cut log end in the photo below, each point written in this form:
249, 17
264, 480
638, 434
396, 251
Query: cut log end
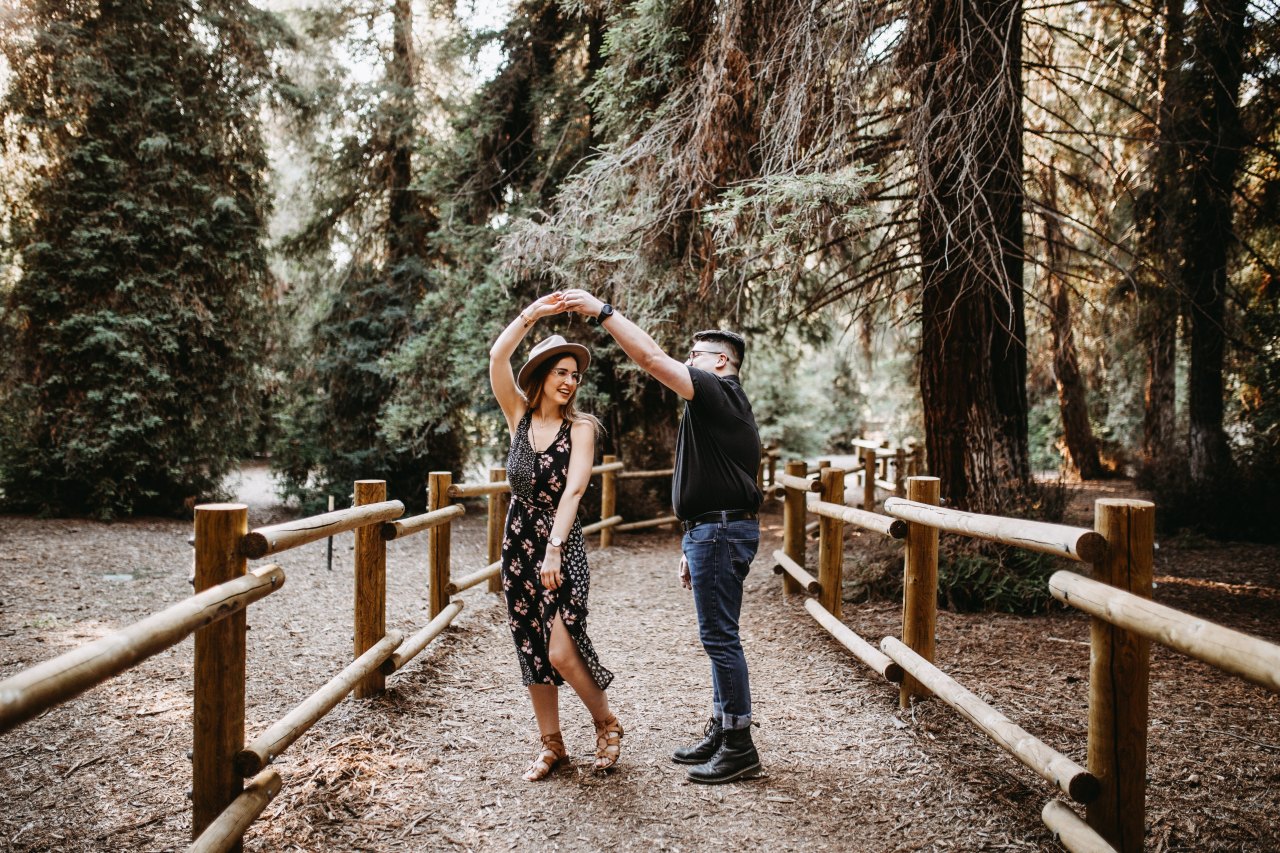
248, 763
898, 529
388, 531
254, 546
893, 673
1092, 547
1084, 788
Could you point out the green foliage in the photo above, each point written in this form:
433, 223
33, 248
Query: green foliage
991, 578
646, 48
972, 576
136, 315
360, 202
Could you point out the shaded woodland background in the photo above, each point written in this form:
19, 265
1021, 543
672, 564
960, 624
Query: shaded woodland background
1036, 236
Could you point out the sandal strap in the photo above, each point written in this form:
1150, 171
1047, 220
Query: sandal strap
552, 751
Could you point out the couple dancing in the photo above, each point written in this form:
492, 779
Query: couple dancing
544, 563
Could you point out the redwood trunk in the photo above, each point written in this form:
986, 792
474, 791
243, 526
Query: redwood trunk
1215, 140
1082, 447
1158, 312
968, 150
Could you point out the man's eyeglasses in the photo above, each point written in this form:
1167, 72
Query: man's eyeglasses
561, 374
694, 353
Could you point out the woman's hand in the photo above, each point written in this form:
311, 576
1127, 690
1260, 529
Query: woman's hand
551, 575
544, 306
685, 580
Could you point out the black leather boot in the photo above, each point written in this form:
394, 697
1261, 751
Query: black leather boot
735, 759
703, 751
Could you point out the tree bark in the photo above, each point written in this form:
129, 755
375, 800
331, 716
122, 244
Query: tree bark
1157, 298
968, 153
1215, 139
1082, 447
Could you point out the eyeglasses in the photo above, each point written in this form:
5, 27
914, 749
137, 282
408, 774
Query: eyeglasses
561, 374
694, 353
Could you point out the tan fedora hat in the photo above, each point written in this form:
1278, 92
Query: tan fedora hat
551, 347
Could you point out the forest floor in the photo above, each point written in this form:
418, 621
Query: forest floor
434, 764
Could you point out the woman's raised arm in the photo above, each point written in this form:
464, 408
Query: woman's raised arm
501, 377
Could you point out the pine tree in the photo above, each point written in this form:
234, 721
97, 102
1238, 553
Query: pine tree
135, 320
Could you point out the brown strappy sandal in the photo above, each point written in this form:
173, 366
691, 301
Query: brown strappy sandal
553, 752
608, 742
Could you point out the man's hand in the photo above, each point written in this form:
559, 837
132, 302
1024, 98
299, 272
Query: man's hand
582, 302
685, 581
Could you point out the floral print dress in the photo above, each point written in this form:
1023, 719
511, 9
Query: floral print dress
537, 482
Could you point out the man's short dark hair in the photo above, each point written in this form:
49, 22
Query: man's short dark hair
723, 336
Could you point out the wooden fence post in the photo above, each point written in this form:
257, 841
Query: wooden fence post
371, 585
497, 524
917, 461
218, 716
1119, 669
772, 465
608, 498
831, 543
438, 540
919, 585
793, 524
868, 479
900, 472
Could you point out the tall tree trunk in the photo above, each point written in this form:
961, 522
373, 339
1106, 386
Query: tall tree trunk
404, 220
1158, 303
968, 153
1215, 138
1082, 447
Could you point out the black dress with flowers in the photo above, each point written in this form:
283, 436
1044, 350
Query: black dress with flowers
537, 481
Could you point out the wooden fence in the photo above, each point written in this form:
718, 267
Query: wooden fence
223, 804
1120, 552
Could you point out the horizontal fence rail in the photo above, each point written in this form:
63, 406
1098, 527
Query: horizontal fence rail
264, 541
269, 745
894, 528
1069, 777
411, 647
34, 690
890, 669
1057, 539
226, 830
1071, 830
1249, 657
417, 523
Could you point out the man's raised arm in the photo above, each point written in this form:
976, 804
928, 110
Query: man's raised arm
635, 342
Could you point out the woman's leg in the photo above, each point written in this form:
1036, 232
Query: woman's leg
568, 661
546, 707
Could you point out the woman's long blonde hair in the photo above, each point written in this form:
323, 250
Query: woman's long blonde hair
531, 390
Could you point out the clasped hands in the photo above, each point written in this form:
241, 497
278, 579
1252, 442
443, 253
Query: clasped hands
563, 301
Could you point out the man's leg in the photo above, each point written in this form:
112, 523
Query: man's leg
721, 559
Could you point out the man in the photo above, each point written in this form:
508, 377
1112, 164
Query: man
715, 495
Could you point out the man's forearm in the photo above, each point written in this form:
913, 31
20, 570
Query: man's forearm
639, 346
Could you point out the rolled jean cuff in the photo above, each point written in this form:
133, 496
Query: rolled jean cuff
733, 722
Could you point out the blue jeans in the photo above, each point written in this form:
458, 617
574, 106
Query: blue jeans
719, 555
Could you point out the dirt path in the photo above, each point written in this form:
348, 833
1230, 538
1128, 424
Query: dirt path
435, 763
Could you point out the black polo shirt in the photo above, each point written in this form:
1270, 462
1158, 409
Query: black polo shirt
717, 449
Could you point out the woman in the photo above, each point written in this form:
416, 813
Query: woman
544, 561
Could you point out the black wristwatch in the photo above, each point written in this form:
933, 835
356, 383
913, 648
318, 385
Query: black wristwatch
606, 311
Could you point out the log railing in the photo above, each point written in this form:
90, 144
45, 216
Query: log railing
1124, 621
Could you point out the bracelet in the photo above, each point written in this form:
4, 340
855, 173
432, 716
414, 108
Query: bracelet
528, 321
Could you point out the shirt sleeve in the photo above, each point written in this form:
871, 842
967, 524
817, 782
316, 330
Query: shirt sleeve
707, 390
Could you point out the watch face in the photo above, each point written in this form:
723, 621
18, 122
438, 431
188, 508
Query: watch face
556, 541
